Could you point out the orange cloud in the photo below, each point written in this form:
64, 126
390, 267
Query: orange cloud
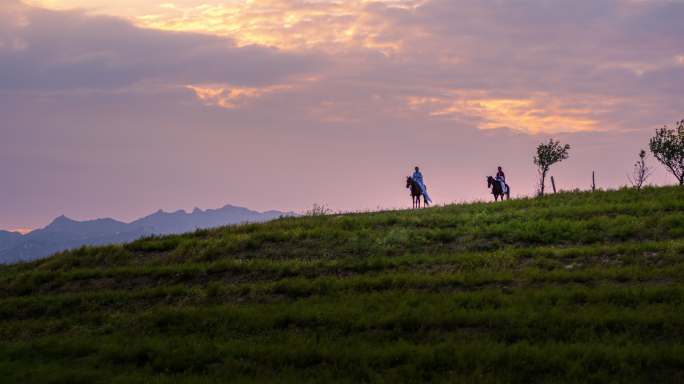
285, 24
538, 114
232, 97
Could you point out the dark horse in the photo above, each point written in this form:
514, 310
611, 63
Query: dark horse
416, 192
497, 190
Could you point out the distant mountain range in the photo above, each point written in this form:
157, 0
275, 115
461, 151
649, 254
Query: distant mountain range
64, 233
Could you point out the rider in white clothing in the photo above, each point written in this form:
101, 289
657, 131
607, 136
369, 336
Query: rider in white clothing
501, 178
418, 178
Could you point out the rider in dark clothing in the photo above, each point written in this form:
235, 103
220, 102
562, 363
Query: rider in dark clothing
500, 175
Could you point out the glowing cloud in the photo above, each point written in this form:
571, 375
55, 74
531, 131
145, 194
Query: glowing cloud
285, 24
531, 115
232, 97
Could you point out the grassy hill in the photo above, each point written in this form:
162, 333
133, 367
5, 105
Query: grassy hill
576, 287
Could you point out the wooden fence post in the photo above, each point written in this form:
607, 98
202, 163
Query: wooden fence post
553, 184
593, 181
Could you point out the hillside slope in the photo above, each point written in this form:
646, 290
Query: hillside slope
577, 287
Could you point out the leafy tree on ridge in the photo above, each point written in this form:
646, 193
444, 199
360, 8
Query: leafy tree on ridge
547, 155
668, 147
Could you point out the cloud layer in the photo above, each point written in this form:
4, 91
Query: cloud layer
46, 50
120, 107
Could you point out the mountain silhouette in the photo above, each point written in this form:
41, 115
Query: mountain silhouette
8, 239
65, 233
163, 223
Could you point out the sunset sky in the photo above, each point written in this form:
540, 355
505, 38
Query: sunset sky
119, 108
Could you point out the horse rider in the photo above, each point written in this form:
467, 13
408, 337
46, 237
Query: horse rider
501, 178
418, 178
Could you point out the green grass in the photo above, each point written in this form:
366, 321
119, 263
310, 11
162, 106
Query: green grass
575, 287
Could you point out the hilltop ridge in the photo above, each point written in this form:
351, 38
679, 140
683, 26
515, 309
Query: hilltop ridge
575, 287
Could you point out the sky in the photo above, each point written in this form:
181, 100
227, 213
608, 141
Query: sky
120, 108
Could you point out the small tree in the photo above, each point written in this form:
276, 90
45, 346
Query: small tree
668, 147
547, 155
641, 172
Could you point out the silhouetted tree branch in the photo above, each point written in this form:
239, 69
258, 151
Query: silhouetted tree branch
641, 172
319, 210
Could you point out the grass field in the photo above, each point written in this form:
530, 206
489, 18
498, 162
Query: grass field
575, 287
